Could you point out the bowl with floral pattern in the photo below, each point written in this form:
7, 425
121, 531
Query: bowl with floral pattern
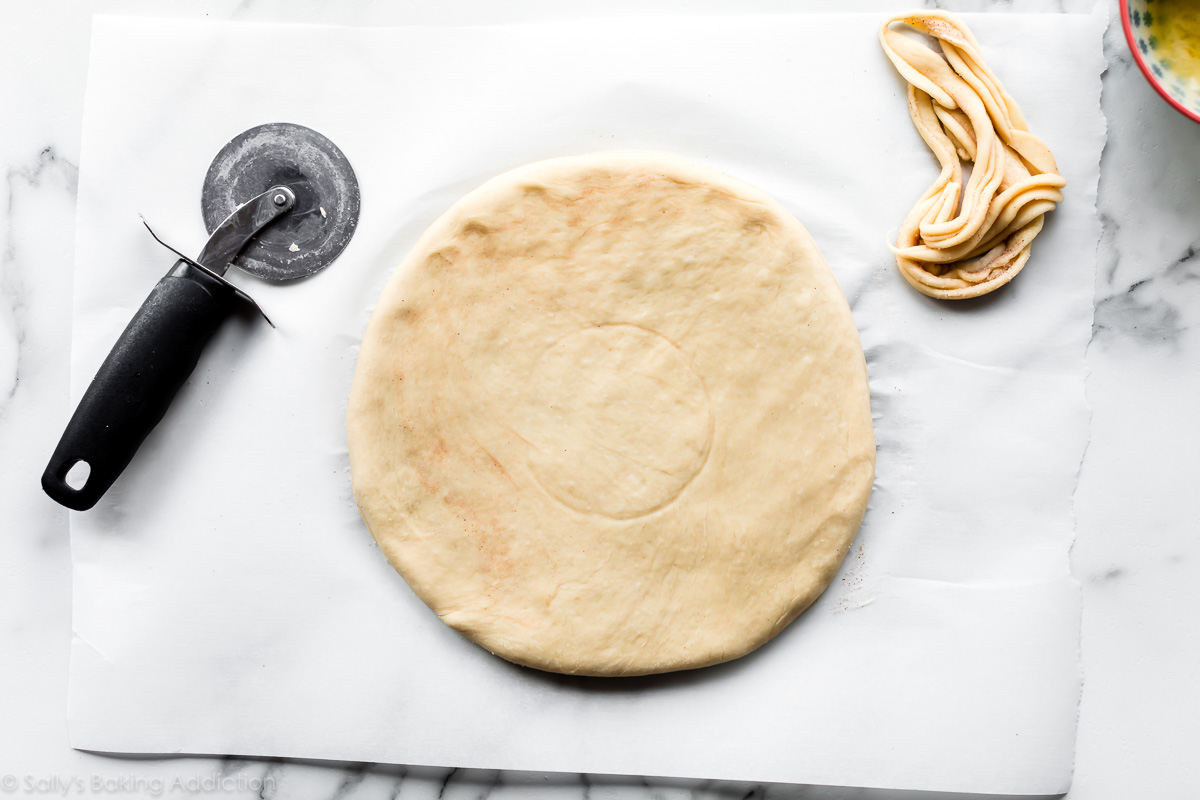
1164, 37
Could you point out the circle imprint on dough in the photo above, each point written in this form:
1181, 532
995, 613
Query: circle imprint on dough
630, 431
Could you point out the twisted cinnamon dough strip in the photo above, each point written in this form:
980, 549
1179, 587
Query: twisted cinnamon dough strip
946, 248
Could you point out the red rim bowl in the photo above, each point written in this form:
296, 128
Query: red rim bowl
1153, 79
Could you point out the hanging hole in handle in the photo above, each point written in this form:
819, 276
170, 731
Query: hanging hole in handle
77, 476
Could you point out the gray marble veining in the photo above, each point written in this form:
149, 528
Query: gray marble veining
1146, 287
47, 170
1137, 552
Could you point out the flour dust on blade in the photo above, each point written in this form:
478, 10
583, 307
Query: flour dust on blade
280, 202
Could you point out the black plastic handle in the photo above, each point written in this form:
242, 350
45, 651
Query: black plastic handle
136, 383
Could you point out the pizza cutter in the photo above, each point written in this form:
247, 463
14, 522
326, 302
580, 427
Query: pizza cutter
280, 201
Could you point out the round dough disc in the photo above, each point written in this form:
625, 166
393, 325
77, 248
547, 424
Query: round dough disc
610, 417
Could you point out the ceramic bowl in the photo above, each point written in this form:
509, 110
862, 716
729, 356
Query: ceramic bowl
1137, 17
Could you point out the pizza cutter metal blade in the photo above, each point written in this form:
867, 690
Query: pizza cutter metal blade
319, 226
280, 202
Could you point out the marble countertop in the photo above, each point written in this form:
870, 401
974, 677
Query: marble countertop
1137, 553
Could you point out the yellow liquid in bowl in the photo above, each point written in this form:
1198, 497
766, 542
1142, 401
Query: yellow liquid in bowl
1176, 26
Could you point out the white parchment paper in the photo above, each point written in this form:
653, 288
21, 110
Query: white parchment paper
228, 598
